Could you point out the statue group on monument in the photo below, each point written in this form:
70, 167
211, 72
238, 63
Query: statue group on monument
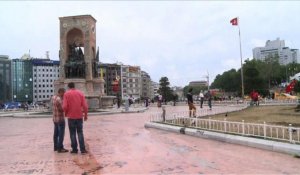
75, 67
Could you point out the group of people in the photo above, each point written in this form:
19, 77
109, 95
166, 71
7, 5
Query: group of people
72, 105
192, 108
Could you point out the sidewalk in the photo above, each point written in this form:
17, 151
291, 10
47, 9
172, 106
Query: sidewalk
47, 113
119, 144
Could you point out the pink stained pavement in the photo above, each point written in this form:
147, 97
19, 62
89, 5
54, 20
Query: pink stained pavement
119, 144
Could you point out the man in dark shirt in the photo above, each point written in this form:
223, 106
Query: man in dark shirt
192, 107
209, 98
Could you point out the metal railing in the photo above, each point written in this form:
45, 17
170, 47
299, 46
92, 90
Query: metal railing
275, 132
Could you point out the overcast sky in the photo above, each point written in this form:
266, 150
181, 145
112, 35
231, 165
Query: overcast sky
177, 39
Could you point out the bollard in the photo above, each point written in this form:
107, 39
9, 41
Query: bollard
265, 130
225, 125
243, 127
126, 105
164, 113
290, 133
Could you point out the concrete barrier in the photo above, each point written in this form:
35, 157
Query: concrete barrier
270, 145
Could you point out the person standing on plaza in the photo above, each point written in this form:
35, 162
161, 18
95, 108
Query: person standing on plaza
192, 108
76, 109
59, 121
159, 101
201, 98
209, 98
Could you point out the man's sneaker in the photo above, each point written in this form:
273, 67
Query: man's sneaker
74, 152
55, 149
62, 150
84, 152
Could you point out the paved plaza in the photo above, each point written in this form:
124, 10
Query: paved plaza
119, 144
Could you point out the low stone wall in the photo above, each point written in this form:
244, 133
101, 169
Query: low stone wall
106, 102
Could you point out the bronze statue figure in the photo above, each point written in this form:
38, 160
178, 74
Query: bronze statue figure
75, 65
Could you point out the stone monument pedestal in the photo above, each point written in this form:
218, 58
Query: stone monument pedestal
93, 90
106, 102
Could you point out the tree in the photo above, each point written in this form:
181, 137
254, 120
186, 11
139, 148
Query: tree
196, 89
165, 90
258, 75
228, 81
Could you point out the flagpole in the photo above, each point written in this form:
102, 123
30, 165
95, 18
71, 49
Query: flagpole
242, 77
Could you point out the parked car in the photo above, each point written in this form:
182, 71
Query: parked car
12, 105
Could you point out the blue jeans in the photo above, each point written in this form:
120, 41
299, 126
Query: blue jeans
75, 126
59, 134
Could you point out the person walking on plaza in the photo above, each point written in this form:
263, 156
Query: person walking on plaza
75, 108
59, 121
209, 98
192, 108
201, 98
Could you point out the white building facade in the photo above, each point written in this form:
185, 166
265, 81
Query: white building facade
45, 72
146, 85
131, 81
277, 48
154, 89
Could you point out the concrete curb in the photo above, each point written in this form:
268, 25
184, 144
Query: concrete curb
281, 147
33, 115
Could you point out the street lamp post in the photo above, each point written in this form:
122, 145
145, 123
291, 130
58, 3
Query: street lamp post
207, 77
286, 71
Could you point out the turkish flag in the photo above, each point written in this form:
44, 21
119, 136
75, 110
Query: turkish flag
234, 21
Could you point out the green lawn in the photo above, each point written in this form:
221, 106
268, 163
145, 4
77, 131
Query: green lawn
278, 115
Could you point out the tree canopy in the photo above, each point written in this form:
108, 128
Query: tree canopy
165, 90
258, 75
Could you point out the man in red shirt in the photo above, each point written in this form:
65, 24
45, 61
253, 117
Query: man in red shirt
75, 108
59, 121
